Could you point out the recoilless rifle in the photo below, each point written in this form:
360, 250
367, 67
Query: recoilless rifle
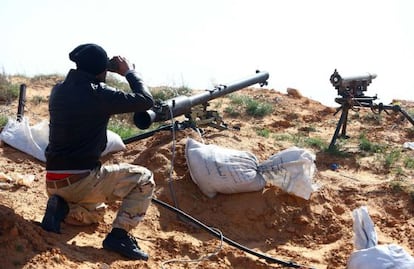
351, 91
193, 108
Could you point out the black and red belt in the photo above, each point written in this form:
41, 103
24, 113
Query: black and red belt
57, 181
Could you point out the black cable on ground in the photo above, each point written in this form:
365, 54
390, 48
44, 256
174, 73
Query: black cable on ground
227, 240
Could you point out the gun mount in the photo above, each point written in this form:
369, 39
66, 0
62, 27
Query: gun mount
194, 108
351, 89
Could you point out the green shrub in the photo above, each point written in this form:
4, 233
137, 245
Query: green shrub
337, 151
263, 132
366, 145
409, 163
252, 107
257, 108
3, 121
392, 157
8, 91
165, 93
232, 111
122, 128
315, 142
237, 99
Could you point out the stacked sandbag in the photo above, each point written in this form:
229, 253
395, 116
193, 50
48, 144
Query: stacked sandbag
217, 169
34, 139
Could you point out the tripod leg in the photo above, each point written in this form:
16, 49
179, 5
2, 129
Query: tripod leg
407, 116
397, 109
341, 123
344, 123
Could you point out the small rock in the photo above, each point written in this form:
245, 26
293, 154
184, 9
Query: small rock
294, 93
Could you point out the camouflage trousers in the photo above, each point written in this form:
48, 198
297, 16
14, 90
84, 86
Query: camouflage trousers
131, 184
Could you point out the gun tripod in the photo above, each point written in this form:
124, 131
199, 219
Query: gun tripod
349, 103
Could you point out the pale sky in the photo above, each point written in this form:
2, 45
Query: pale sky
201, 43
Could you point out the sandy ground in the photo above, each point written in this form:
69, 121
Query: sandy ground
313, 233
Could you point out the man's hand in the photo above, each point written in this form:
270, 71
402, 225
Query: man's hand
122, 65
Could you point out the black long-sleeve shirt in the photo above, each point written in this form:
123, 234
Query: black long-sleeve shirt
80, 108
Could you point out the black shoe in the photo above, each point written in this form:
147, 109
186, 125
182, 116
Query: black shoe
125, 245
56, 211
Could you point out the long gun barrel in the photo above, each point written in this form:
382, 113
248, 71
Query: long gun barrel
181, 105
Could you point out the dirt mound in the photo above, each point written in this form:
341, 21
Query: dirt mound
315, 232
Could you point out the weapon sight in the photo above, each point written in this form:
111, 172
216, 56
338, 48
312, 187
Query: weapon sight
351, 86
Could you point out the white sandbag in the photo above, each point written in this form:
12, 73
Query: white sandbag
365, 235
221, 170
114, 143
408, 145
18, 134
370, 255
40, 134
292, 170
33, 140
381, 257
